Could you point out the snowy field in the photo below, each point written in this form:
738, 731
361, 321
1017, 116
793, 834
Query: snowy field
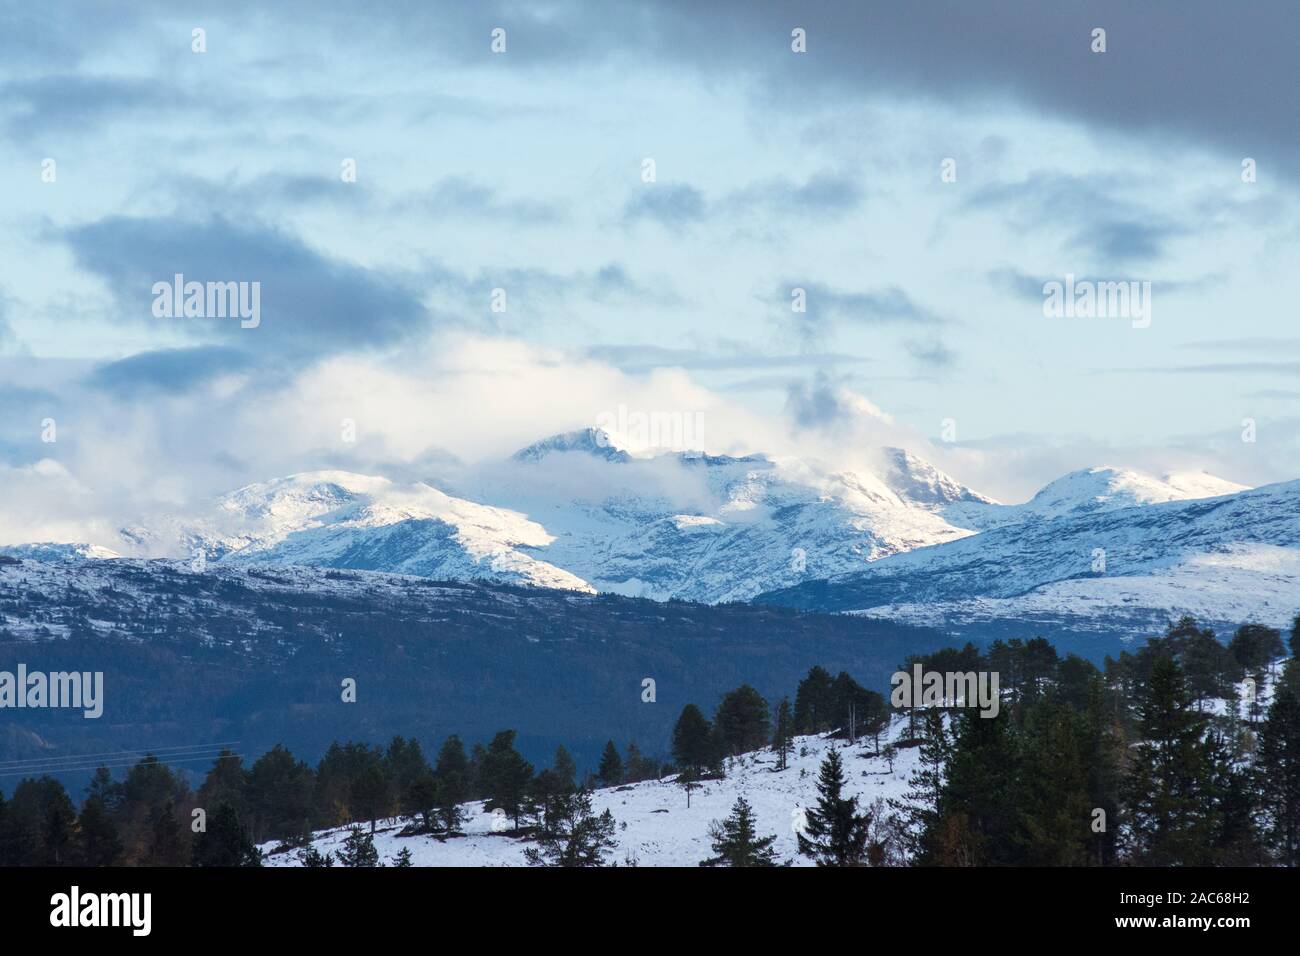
654, 826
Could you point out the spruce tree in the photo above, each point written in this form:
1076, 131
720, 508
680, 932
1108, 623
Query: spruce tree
1277, 780
1051, 815
403, 858
1170, 805
836, 833
735, 842
610, 771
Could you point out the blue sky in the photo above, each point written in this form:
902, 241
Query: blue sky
523, 171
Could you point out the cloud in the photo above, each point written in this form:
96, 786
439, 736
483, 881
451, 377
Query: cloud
640, 358
1090, 215
311, 304
931, 353
169, 370
825, 307
675, 207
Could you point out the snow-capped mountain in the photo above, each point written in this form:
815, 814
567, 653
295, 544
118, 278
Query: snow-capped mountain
713, 527
1234, 557
1092, 490
341, 520
583, 512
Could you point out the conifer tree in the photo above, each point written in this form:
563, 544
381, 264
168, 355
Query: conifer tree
741, 721
1170, 806
735, 842
358, 850
782, 734
224, 842
403, 858
836, 833
506, 775
692, 741
572, 835
1277, 781
566, 771
452, 775
919, 810
312, 858
1051, 814
98, 840
610, 771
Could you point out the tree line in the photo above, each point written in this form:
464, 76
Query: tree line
1138, 762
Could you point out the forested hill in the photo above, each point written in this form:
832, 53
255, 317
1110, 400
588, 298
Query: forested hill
260, 657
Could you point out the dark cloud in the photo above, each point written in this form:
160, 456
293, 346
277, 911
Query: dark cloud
172, 371
825, 307
931, 353
1089, 215
310, 303
1205, 71
673, 206
62, 103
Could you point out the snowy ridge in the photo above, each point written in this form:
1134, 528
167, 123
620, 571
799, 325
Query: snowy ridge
580, 511
1230, 558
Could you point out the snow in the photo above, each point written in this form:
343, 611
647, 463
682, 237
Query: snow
654, 825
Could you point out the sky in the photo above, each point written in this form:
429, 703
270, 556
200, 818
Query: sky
564, 208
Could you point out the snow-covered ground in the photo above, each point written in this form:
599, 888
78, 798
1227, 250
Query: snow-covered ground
654, 825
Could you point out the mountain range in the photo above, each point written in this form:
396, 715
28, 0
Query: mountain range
1100, 547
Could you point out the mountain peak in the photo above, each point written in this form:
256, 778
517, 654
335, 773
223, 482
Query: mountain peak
1104, 487
592, 441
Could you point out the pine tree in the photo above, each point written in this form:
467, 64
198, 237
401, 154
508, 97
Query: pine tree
919, 810
312, 858
735, 842
452, 774
814, 703
782, 734
566, 771
166, 845
692, 741
99, 843
572, 835
835, 833
358, 850
1277, 781
637, 767
224, 842
1051, 811
741, 721
1170, 807
403, 858
506, 776
610, 771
